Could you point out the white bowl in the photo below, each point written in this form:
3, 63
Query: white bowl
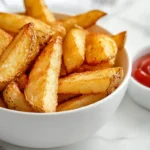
140, 93
63, 128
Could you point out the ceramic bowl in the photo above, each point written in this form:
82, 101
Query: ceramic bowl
44, 130
140, 93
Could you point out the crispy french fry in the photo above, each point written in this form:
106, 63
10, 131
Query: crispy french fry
58, 29
80, 101
39, 46
63, 71
13, 22
91, 82
86, 67
15, 99
41, 90
16, 57
5, 39
120, 39
21, 13
99, 48
84, 20
74, 49
22, 81
39, 10
65, 97
2, 103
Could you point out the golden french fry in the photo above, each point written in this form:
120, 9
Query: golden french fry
65, 97
5, 39
13, 22
91, 82
120, 39
58, 29
63, 71
84, 20
41, 90
22, 81
74, 49
80, 101
15, 99
16, 57
21, 13
2, 103
99, 48
86, 67
39, 46
39, 10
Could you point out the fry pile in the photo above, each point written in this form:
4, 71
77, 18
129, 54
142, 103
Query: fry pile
49, 65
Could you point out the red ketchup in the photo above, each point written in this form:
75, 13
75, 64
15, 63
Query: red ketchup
141, 70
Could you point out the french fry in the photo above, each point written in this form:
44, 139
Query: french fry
15, 99
41, 90
2, 103
58, 29
86, 67
99, 48
16, 57
80, 101
65, 97
21, 13
5, 39
13, 22
120, 39
84, 20
22, 81
91, 82
74, 49
63, 71
39, 46
39, 10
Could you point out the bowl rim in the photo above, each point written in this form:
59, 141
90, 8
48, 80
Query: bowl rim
144, 51
121, 86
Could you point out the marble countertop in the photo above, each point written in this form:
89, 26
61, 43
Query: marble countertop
129, 127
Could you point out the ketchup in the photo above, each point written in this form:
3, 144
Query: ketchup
141, 70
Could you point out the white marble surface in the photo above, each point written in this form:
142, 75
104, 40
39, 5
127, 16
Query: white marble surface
129, 127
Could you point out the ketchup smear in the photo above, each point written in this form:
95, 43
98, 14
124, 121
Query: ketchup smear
141, 70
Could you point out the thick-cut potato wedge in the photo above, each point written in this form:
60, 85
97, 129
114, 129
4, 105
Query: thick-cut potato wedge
5, 39
39, 10
40, 45
66, 97
91, 82
63, 71
15, 99
41, 90
86, 67
58, 29
120, 39
80, 101
13, 22
99, 48
21, 13
16, 57
84, 20
2, 103
22, 81
74, 49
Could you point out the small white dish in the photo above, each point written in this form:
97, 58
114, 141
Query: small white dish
138, 92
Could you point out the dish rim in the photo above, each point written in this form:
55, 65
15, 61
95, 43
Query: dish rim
146, 50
